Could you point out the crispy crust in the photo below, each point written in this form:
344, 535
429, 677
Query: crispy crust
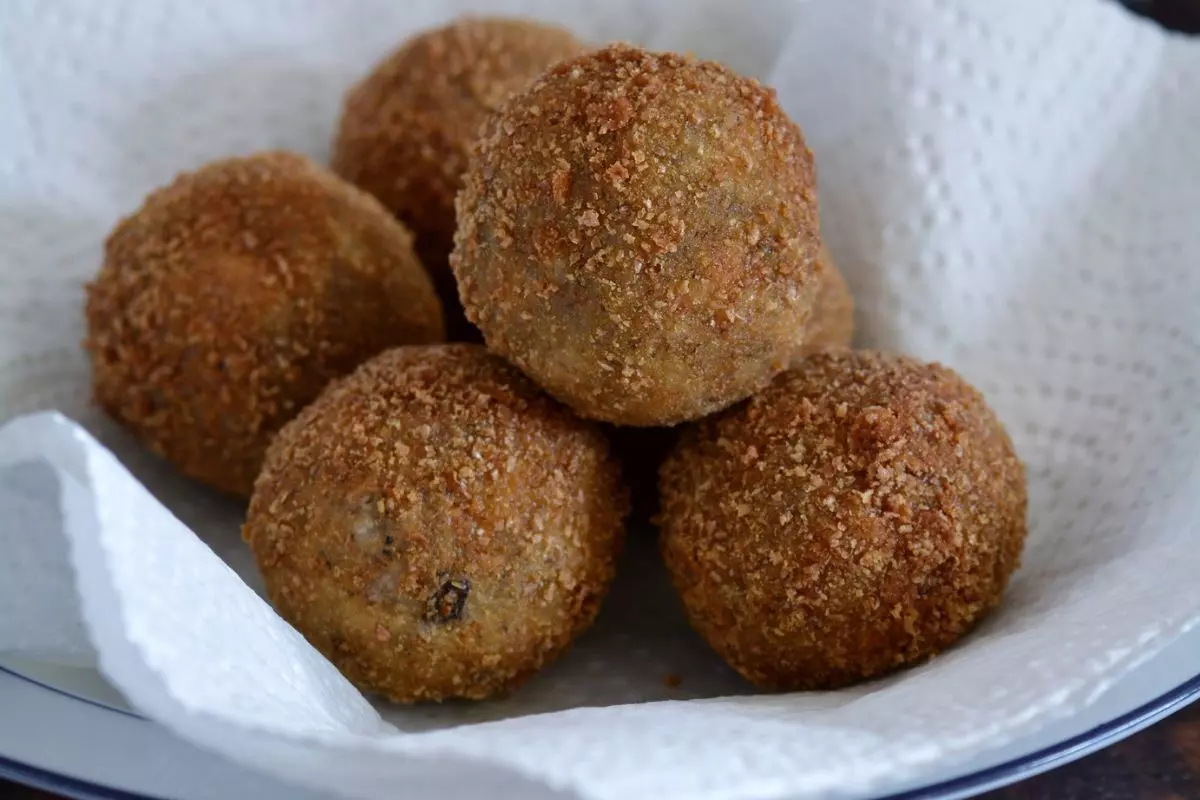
436, 526
233, 295
638, 232
860, 514
406, 128
832, 321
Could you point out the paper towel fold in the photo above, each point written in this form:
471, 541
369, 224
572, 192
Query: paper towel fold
1009, 188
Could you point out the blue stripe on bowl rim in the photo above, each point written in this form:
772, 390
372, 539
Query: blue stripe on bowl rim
993, 777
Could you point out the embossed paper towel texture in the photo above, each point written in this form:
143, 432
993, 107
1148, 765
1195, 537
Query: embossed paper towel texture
1010, 188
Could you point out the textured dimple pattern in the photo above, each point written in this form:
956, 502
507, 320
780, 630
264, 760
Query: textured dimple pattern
1008, 187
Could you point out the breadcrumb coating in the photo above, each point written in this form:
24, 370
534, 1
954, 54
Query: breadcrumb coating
832, 321
436, 525
233, 295
407, 127
860, 514
638, 233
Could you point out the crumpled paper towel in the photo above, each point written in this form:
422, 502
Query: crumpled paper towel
1010, 187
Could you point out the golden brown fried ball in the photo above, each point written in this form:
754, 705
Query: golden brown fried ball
406, 128
436, 526
860, 514
233, 295
832, 321
638, 233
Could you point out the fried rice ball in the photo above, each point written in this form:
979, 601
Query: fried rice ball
832, 321
860, 514
638, 233
233, 295
406, 128
436, 525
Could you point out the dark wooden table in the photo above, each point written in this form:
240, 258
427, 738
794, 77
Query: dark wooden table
1160, 763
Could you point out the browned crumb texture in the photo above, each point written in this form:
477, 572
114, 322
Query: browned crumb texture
638, 232
832, 321
406, 128
436, 526
860, 514
233, 295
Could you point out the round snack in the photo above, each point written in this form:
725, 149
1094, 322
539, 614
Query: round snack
860, 514
436, 526
832, 321
638, 232
407, 127
233, 295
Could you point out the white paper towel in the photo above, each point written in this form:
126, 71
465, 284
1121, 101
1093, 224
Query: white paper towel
1010, 188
